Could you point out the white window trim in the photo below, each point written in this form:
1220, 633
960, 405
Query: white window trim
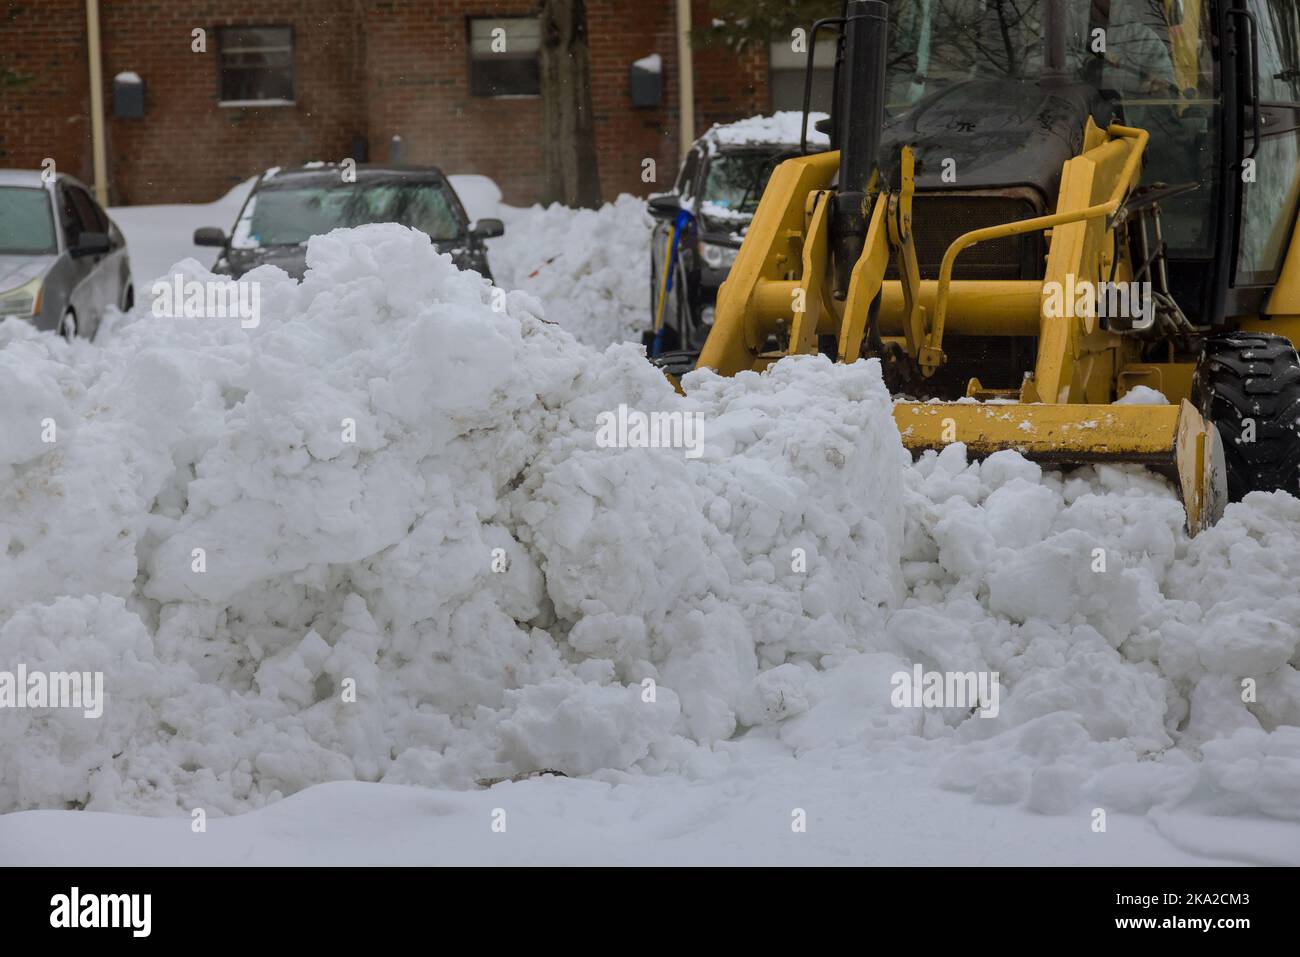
247, 103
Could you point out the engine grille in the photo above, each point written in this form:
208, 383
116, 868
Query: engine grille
939, 218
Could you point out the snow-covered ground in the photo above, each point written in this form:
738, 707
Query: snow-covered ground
159, 236
475, 588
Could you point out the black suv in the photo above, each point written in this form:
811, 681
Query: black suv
710, 206
288, 207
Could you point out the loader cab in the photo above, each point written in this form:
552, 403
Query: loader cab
995, 96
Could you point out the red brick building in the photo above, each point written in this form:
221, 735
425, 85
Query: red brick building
231, 87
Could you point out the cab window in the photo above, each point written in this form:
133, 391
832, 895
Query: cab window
1272, 185
1159, 65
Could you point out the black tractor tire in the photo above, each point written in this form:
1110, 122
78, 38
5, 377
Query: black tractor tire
1253, 376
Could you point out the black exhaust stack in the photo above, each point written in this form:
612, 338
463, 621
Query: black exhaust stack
859, 124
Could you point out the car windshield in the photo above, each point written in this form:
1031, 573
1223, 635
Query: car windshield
288, 216
26, 221
734, 184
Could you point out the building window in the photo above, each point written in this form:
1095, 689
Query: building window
256, 66
786, 76
503, 56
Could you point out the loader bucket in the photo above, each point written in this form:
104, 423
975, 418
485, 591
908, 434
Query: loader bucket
1174, 441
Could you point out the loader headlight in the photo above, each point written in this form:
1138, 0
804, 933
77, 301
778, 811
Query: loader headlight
22, 301
718, 257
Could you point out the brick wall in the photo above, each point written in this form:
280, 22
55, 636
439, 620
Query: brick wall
44, 85
187, 148
417, 87
374, 68
726, 88
425, 98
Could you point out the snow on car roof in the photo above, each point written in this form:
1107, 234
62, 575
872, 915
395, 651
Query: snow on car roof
277, 177
781, 127
21, 177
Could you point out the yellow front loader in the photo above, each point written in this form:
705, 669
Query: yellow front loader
1026, 230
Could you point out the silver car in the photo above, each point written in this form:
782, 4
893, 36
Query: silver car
63, 262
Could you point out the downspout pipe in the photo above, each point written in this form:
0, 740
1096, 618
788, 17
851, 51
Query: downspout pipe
99, 150
685, 77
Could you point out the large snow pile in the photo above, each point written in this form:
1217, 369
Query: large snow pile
1139, 669
590, 267
770, 588
328, 565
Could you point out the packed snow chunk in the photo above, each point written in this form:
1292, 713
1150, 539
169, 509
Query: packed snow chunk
1115, 638
32, 405
780, 511
1142, 395
581, 728
84, 755
588, 266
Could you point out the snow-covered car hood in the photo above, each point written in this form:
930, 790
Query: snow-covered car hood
15, 269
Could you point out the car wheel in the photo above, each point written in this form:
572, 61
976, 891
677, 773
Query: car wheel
68, 325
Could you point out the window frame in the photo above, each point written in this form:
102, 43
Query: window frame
99, 219
471, 59
292, 68
823, 67
684, 185
1280, 122
1284, 225
69, 217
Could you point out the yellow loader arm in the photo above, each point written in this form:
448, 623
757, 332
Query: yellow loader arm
777, 301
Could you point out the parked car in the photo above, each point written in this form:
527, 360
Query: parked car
288, 207
63, 262
711, 204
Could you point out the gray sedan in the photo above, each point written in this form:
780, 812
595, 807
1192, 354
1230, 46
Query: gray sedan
63, 262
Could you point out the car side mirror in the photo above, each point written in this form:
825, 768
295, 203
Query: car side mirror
664, 205
488, 229
209, 236
91, 244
